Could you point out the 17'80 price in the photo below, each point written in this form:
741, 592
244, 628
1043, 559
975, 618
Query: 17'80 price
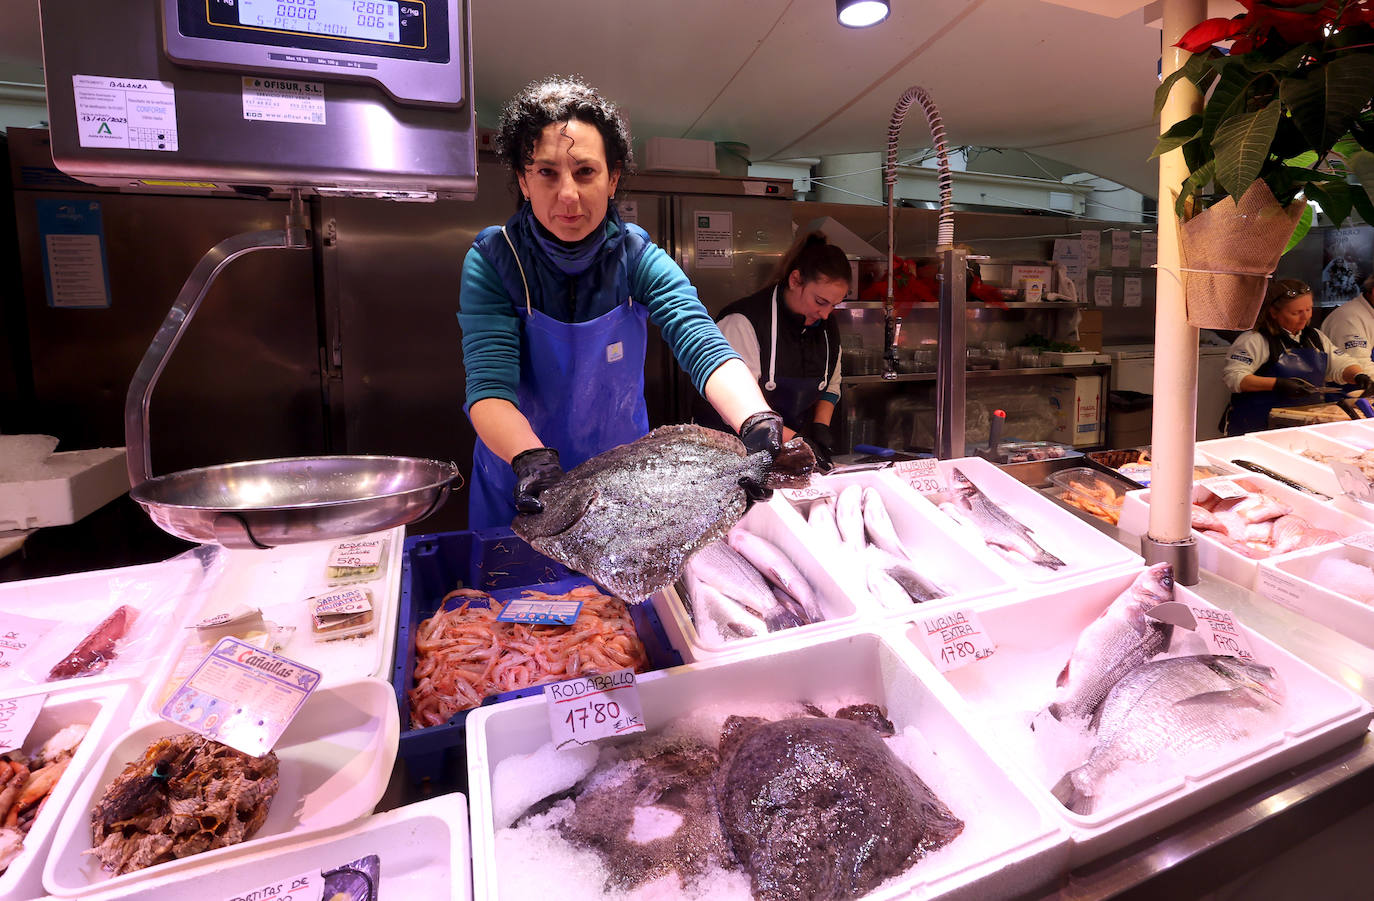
960, 650
600, 715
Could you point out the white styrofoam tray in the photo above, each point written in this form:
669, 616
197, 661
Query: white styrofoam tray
1277, 457
70, 485
1035, 638
966, 572
1008, 847
422, 847
164, 594
1084, 549
1216, 557
1356, 433
767, 521
104, 709
279, 580
1288, 580
335, 761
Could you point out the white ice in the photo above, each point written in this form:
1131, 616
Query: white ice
521, 780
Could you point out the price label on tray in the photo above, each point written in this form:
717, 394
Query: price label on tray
1225, 489
305, 887
16, 719
241, 696
539, 612
593, 707
955, 639
364, 552
809, 493
1281, 587
1223, 636
17, 635
922, 475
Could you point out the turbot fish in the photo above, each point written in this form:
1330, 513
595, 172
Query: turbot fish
630, 517
1175, 705
998, 527
1115, 643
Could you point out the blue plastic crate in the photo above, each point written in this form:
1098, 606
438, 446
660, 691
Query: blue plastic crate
500, 563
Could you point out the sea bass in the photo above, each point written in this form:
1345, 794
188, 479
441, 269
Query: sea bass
1115, 643
904, 573
630, 517
775, 566
998, 527
1175, 705
720, 569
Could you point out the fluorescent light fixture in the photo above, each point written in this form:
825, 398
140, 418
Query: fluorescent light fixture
861, 13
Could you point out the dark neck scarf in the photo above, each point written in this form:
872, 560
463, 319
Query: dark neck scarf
570, 259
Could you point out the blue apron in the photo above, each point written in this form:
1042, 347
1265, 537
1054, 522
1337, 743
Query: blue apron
1249, 410
582, 390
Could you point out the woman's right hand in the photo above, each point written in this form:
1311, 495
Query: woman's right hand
1294, 387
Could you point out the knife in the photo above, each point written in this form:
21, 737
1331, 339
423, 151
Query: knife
1266, 471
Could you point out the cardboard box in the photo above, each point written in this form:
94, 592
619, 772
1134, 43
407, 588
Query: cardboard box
1077, 402
1090, 330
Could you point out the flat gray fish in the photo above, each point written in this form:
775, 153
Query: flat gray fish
819, 808
721, 567
1175, 705
1115, 643
630, 517
998, 527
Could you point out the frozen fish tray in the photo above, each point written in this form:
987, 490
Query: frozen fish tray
1216, 557
103, 709
1009, 846
422, 852
775, 522
1084, 549
505, 566
1290, 581
1036, 636
335, 761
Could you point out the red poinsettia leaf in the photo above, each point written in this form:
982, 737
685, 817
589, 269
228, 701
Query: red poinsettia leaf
1206, 33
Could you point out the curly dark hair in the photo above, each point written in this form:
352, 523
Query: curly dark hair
559, 98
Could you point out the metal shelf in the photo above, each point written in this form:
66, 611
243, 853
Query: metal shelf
975, 374
973, 305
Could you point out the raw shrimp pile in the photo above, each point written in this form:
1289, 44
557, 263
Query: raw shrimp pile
26, 782
1097, 498
463, 655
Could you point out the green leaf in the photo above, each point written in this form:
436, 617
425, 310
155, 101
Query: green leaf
1363, 204
1304, 226
1241, 145
1194, 183
1345, 146
1179, 134
1197, 69
1362, 164
1325, 103
1228, 97
1303, 160
1333, 198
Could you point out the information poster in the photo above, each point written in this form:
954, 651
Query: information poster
72, 242
1102, 289
1121, 248
714, 239
1091, 239
1149, 249
1131, 291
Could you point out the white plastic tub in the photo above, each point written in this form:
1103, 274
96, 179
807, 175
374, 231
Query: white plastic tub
104, 709
69, 485
1216, 557
1084, 549
1357, 433
1288, 580
1035, 638
770, 521
422, 847
1277, 457
1008, 847
335, 761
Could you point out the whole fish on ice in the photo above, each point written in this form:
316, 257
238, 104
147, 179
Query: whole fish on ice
998, 527
725, 587
775, 566
630, 517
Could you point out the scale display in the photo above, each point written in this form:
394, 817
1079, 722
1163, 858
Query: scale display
362, 20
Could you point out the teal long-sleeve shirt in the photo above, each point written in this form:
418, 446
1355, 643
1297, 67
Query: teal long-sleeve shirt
492, 327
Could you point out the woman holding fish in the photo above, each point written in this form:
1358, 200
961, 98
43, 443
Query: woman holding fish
554, 309
784, 333
1283, 361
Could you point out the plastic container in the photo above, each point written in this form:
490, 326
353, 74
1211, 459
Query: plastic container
1026, 451
1070, 358
104, 709
422, 849
335, 761
495, 561
1289, 581
68, 486
368, 558
1091, 491
1286, 462
1010, 847
1036, 636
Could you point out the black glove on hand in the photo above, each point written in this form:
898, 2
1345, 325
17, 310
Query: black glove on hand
1294, 387
762, 432
822, 442
535, 470
1364, 383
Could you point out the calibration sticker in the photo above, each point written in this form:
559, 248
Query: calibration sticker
125, 113
281, 100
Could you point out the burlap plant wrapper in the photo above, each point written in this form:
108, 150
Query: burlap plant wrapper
1236, 245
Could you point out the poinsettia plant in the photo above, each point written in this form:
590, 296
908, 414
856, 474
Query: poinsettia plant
1288, 103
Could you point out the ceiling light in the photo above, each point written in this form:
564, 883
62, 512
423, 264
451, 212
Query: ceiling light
861, 13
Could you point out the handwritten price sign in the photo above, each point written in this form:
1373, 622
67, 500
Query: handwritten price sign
16, 719
955, 639
305, 887
1219, 629
922, 475
590, 708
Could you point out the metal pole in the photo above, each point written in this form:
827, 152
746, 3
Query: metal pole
952, 354
1174, 425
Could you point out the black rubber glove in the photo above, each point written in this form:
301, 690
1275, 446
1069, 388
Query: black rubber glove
1294, 387
1364, 383
822, 442
760, 432
535, 470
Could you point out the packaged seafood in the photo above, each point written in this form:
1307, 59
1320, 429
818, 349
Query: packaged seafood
697, 633
1134, 463
1098, 631
334, 761
1006, 846
1332, 585
90, 716
361, 559
437, 866
1092, 492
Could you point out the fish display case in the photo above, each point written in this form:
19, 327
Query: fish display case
1003, 695
1331, 585
1284, 456
1008, 844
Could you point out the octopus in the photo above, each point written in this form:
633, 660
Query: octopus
464, 655
820, 808
186, 795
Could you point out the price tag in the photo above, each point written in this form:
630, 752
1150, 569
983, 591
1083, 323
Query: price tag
1225, 489
1281, 587
17, 635
241, 696
348, 600
16, 719
305, 887
534, 611
809, 493
922, 475
589, 708
955, 639
1362, 540
364, 552
1218, 628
